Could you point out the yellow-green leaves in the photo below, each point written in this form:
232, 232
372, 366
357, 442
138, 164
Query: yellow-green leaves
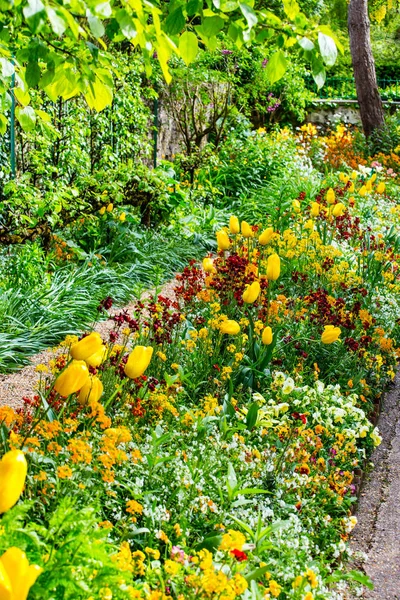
188, 46
276, 66
99, 95
327, 48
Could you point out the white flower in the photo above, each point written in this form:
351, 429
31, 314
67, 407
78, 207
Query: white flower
279, 378
376, 438
288, 386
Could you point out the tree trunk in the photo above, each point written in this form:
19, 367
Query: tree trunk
371, 108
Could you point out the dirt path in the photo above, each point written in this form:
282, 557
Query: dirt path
15, 386
378, 530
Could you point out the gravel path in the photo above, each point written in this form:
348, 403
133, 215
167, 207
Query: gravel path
15, 386
378, 530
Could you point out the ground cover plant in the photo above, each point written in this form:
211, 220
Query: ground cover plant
209, 448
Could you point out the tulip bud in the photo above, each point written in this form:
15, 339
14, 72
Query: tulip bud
95, 359
309, 224
230, 327
102, 210
296, 206
17, 576
138, 361
330, 196
91, 391
251, 292
373, 178
267, 336
122, 217
315, 207
351, 188
266, 236
363, 191
86, 346
380, 188
13, 469
339, 209
234, 226
343, 177
273, 267
247, 231
330, 334
72, 379
110, 207
208, 265
368, 185
354, 175
223, 240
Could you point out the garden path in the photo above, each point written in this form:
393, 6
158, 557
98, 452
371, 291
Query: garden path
378, 530
15, 386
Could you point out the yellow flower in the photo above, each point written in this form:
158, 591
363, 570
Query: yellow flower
274, 588
110, 207
312, 578
314, 211
247, 231
309, 596
95, 359
91, 391
230, 327
233, 540
234, 226
134, 507
208, 265
102, 210
86, 346
339, 209
72, 379
266, 236
296, 206
138, 361
330, 334
64, 472
380, 188
251, 292
122, 217
363, 191
273, 267
223, 240
330, 196
13, 469
17, 576
267, 336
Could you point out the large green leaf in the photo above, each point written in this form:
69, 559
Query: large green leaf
99, 95
34, 13
249, 15
188, 46
26, 117
318, 71
175, 22
276, 66
327, 48
211, 26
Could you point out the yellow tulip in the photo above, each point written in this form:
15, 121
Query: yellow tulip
266, 236
251, 292
95, 359
122, 217
354, 175
309, 224
17, 576
110, 207
267, 336
351, 188
247, 231
273, 267
223, 240
138, 361
339, 209
315, 208
230, 327
368, 185
330, 334
380, 188
91, 391
208, 265
86, 346
373, 178
102, 210
13, 469
363, 191
234, 226
343, 177
72, 379
330, 196
296, 206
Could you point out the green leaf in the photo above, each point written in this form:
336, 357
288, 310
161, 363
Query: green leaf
291, 8
276, 66
3, 124
318, 71
26, 117
22, 97
57, 22
126, 24
352, 576
193, 7
188, 46
210, 543
251, 417
306, 44
6, 67
34, 14
103, 9
249, 15
327, 48
211, 26
32, 74
96, 26
257, 573
99, 95
175, 22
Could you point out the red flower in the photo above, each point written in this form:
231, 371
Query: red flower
300, 417
239, 555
